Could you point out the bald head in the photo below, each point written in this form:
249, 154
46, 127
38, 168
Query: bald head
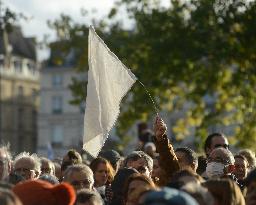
223, 155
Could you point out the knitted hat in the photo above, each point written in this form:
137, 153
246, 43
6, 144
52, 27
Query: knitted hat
38, 192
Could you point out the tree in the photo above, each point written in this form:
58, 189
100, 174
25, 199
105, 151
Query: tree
196, 55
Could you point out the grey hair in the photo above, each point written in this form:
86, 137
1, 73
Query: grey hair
79, 168
140, 154
86, 195
228, 155
148, 159
44, 159
6, 149
33, 157
250, 156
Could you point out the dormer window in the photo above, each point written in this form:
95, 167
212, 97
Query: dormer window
31, 68
17, 66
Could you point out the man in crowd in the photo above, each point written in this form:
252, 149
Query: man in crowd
220, 163
47, 166
187, 158
140, 161
79, 176
241, 168
28, 166
213, 141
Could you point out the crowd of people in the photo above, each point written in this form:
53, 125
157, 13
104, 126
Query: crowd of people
157, 174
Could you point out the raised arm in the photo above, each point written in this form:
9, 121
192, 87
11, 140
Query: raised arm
167, 158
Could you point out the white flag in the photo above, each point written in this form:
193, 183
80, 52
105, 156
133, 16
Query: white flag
108, 82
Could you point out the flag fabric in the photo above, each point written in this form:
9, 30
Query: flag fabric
108, 82
50, 152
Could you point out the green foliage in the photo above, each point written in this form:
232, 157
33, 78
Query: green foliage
198, 53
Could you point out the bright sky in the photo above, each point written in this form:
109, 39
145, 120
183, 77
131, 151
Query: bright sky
42, 10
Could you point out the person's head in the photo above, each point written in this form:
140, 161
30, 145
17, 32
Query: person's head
213, 141
113, 157
26, 165
49, 178
250, 156
138, 195
220, 163
134, 182
225, 191
7, 197
103, 171
79, 176
141, 161
199, 193
72, 157
168, 196
88, 197
5, 162
47, 166
150, 149
184, 177
187, 158
38, 192
119, 181
241, 167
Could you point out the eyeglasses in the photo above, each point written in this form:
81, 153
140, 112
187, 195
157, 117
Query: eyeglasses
226, 146
84, 183
46, 170
141, 169
218, 159
25, 170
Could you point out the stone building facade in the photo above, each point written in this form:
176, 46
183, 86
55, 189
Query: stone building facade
19, 89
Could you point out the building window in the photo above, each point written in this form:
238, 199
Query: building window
34, 120
34, 95
57, 135
17, 66
56, 80
20, 119
20, 91
31, 68
56, 104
